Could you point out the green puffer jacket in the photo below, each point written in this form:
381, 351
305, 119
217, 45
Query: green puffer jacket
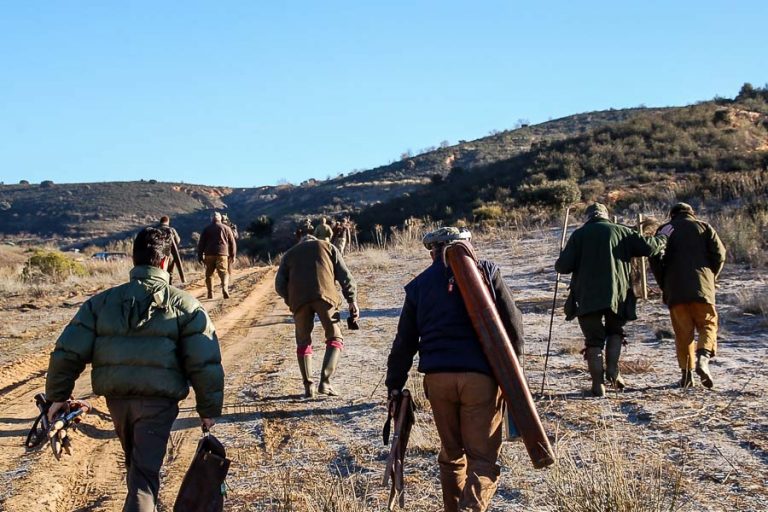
691, 262
144, 338
599, 254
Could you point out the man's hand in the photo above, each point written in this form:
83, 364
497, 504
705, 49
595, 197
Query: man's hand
354, 311
231, 260
54, 410
667, 230
207, 423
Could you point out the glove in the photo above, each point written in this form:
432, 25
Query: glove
667, 230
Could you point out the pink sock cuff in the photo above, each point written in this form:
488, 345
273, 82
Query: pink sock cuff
335, 343
304, 350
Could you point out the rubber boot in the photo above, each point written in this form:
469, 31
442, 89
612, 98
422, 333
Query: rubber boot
209, 286
594, 356
702, 367
225, 286
687, 379
612, 353
305, 366
330, 361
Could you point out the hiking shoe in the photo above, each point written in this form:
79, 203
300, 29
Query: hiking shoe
702, 368
225, 293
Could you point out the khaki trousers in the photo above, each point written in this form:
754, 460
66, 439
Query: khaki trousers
143, 426
688, 318
304, 320
219, 265
468, 414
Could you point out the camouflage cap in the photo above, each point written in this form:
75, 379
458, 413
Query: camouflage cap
445, 235
680, 208
596, 210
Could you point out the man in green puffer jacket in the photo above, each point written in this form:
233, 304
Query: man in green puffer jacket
147, 342
687, 273
599, 254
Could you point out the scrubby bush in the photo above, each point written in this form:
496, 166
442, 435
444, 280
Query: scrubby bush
46, 184
262, 227
551, 193
487, 212
52, 265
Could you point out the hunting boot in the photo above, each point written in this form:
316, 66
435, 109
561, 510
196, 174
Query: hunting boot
594, 357
702, 367
612, 353
225, 286
305, 366
687, 380
331, 359
209, 286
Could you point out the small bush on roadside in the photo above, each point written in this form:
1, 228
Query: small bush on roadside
53, 265
487, 212
552, 193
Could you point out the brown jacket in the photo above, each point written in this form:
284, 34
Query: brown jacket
217, 239
308, 272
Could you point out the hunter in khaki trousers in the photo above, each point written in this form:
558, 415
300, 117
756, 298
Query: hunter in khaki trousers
468, 415
688, 318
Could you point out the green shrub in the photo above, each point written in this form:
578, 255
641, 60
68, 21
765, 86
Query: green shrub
552, 193
53, 265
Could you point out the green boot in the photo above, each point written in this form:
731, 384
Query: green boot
209, 287
594, 357
612, 353
687, 380
702, 367
330, 361
305, 366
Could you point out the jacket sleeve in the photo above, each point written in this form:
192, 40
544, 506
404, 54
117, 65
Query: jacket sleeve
647, 246
715, 251
656, 263
343, 276
74, 349
201, 360
569, 258
281, 280
510, 315
404, 348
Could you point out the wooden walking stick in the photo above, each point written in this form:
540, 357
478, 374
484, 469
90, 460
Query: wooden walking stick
554, 301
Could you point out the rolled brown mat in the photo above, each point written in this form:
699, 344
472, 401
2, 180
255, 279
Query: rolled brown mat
461, 258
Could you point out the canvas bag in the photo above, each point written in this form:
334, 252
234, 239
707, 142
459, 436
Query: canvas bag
202, 489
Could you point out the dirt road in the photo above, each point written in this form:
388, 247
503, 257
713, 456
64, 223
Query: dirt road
291, 454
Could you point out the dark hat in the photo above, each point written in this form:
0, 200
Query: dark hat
596, 210
680, 208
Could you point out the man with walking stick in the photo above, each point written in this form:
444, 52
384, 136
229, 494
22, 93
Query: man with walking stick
599, 255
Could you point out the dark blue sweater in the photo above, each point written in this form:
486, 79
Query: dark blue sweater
434, 322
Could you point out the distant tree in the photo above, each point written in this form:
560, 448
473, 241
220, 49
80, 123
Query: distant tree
436, 179
747, 91
46, 184
405, 155
153, 182
444, 144
23, 182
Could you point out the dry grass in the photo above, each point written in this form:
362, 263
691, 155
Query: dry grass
636, 366
371, 258
598, 474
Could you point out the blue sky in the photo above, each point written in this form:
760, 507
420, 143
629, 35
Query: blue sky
246, 93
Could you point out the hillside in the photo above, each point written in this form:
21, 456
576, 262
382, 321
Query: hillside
351, 193
99, 211
713, 155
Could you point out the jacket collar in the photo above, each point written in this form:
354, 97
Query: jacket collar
148, 272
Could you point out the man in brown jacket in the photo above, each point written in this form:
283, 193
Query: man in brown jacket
217, 249
306, 280
687, 273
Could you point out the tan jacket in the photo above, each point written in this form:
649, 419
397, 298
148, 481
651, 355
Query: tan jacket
309, 271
